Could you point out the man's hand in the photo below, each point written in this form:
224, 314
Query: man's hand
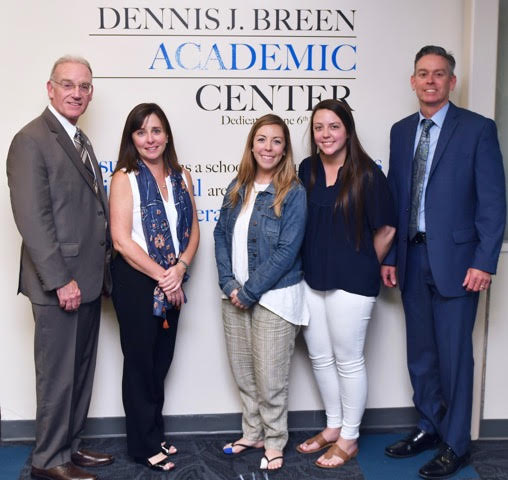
388, 275
69, 296
476, 280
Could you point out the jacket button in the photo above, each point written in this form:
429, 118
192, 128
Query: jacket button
254, 223
254, 254
254, 240
100, 213
102, 243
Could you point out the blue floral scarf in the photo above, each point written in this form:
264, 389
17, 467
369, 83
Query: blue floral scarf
156, 227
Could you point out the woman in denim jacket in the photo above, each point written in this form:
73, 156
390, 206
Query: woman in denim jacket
257, 243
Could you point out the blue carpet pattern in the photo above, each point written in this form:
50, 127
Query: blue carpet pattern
377, 467
200, 457
12, 459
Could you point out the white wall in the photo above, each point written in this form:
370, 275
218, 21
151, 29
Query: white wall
387, 35
496, 380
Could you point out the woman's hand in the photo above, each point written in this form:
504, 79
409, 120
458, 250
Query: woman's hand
235, 301
383, 238
172, 278
176, 298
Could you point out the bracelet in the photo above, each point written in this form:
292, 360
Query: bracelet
185, 264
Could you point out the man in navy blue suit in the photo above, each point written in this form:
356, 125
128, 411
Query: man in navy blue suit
447, 179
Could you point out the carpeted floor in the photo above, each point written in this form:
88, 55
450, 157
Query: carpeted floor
12, 460
200, 458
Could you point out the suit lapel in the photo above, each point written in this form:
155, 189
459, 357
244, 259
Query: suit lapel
68, 146
408, 147
449, 125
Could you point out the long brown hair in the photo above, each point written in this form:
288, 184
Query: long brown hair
128, 155
355, 174
284, 175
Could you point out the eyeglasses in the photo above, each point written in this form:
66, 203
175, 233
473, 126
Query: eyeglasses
84, 88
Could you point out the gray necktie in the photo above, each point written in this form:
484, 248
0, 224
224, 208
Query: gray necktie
419, 166
85, 157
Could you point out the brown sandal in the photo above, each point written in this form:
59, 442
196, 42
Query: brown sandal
319, 439
336, 451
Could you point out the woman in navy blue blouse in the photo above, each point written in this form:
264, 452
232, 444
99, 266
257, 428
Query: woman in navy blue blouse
349, 231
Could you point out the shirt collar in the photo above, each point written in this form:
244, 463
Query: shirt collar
68, 126
438, 117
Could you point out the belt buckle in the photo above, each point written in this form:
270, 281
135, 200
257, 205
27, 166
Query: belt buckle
420, 237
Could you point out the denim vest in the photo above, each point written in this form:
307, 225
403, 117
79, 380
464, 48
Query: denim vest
273, 243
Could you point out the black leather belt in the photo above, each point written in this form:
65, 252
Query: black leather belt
420, 237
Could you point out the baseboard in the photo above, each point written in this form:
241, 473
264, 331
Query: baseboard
373, 419
494, 428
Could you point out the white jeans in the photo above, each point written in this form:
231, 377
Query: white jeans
335, 339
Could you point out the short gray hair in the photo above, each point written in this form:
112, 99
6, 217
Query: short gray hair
70, 59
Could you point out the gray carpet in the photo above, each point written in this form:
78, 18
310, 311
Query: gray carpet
200, 457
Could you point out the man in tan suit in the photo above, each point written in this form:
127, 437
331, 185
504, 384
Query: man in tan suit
61, 210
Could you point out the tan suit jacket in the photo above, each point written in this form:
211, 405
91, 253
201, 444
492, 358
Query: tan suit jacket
62, 221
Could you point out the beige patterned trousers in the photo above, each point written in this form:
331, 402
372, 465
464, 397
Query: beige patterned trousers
260, 345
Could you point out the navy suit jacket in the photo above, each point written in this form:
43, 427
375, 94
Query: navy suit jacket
465, 205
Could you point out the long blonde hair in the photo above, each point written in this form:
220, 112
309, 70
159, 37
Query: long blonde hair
285, 172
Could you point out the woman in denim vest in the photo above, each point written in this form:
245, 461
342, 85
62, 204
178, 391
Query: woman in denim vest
257, 243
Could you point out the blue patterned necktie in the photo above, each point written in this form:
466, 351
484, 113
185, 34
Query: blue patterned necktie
419, 167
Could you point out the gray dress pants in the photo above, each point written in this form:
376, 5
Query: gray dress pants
65, 353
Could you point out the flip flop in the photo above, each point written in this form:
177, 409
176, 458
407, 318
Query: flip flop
336, 451
265, 462
159, 466
229, 448
319, 439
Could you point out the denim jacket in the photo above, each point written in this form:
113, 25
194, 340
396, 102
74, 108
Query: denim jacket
273, 243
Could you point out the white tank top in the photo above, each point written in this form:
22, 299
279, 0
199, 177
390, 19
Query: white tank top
137, 233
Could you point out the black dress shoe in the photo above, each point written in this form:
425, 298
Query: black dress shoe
445, 464
416, 442
86, 458
67, 471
